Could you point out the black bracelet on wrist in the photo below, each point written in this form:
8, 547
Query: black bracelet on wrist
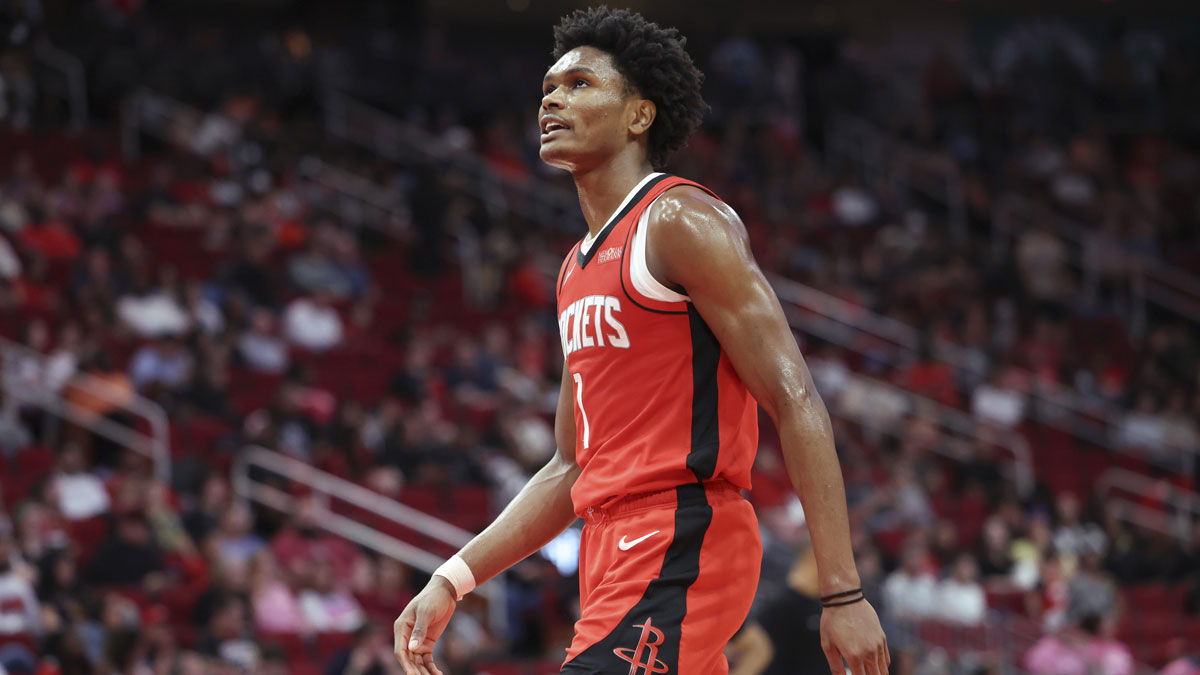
844, 602
834, 596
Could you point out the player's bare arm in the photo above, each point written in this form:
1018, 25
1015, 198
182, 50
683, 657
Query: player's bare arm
540, 512
698, 245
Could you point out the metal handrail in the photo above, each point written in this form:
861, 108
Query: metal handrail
155, 445
901, 166
945, 418
1151, 279
74, 75
327, 485
907, 339
163, 117
1180, 507
388, 137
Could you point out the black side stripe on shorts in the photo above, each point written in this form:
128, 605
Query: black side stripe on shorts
662, 607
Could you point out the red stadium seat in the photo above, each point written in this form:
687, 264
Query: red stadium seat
293, 644
35, 462
329, 644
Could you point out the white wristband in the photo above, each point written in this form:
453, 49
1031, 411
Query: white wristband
455, 571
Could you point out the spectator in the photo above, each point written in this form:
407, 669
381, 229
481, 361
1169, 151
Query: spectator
1073, 537
50, 237
20, 615
153, 312
164, 363
130, 558
234, 540
960, 599
276, 605
301, 540
314, 270
312, 323
227, 635
788, 626
79, 493
1079, 649
910, 592
260, 347
203, 517
1184, 665
1090, 592
329, 606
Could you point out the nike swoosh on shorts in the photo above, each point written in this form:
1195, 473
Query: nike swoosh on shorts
626, 545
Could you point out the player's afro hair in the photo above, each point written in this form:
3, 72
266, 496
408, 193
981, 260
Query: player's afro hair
652, 59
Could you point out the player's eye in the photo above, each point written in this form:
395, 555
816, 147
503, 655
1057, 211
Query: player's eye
581, 82
547, 89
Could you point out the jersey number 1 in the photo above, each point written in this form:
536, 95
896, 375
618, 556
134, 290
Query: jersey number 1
582, 413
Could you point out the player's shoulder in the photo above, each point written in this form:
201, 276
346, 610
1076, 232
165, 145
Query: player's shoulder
689, 211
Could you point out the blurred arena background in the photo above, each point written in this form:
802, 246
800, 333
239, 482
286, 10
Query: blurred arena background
278, 334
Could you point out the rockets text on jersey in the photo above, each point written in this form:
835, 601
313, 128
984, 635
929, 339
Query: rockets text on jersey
592, 321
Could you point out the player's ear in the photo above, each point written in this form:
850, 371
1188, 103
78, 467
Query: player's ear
644, 111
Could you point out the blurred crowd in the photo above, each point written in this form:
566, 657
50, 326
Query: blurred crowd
210, 278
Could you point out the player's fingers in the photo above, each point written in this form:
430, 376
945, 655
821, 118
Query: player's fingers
401, 630
835, 661
887, 653
430, 665
855, 663
870, 663
416, 639
409, 662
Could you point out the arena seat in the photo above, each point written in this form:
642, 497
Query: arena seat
329, 644
293, 644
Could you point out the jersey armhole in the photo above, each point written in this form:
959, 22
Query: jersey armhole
639, 272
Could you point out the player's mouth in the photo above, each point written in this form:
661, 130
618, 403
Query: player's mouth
553, 126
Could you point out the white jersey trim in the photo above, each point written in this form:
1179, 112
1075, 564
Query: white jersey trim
643, 281
590, 239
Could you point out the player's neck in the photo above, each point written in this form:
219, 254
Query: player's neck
602, 189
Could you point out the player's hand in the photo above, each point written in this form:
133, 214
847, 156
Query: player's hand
852, 632
421, 624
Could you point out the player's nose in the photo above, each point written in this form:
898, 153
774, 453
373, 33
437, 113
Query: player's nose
552, 100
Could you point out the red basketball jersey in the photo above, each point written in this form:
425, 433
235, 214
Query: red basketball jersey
657, 402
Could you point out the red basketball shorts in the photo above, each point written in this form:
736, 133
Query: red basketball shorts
665, 580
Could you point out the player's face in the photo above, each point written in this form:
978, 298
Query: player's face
586, 110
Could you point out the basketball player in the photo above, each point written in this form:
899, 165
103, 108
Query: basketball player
672, 337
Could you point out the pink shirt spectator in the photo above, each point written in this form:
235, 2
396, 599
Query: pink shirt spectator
277, 609
1055, 656
1184, 666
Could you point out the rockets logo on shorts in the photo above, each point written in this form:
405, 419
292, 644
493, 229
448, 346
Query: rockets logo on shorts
592, 321
644, 659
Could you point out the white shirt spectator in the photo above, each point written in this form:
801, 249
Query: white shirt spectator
153, 314
80, 495
999, 406
312, 325
1142, 430
961, 603
910, 596
19, 613
263, 352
